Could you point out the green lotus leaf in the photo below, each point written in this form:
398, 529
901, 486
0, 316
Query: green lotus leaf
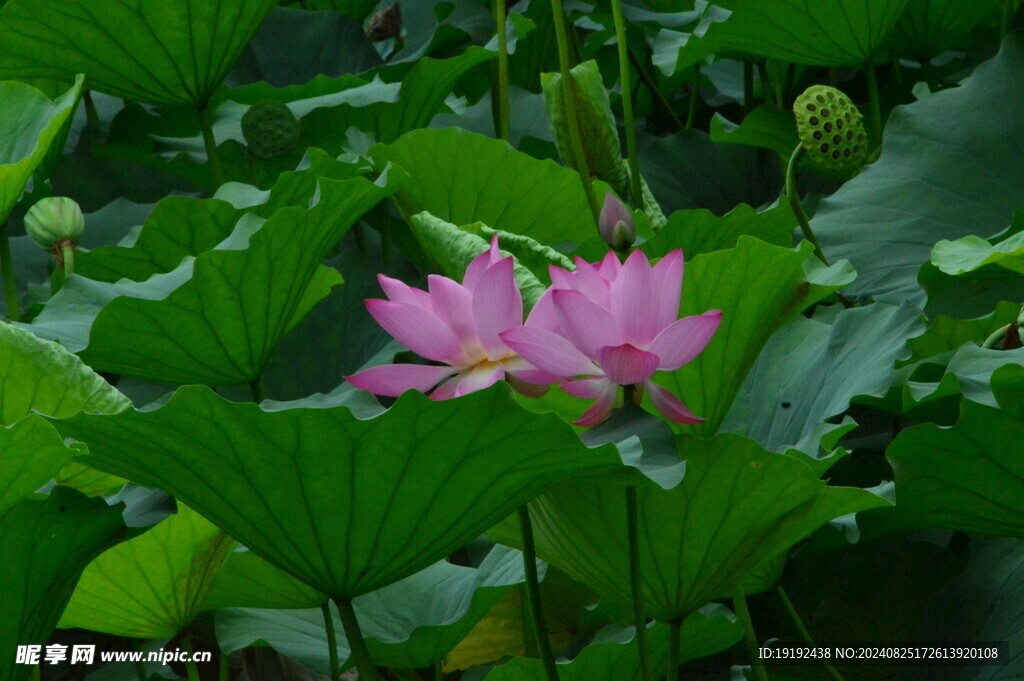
612, 655
390, 495
31, 453
737, 506
869, 220
410, 624
46, 543
216, 319
766, 127
248, 581
969, 253
930, 27
151, 586
30, 123
175, 52
464, 178
759, 288
968, 477
701, 231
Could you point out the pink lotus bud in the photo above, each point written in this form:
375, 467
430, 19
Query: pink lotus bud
616, 223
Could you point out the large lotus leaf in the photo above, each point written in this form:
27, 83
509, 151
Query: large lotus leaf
701, 231
968, 372
887, 219
737, 506
173, 52
216, 319
410, 624
759, 288
151, 586
984, 604
766, 127
818, 33
969, 477
612, 655
46, 544
930, 27
390, 495
464, 178
248, 581
946, 334
30, 122
811, 369
31, 453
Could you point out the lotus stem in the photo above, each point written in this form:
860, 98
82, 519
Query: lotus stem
191, 670
694, 97
635, 584
793, 196
802, 629
562, 38
67, 256
540, 630
7, 268
224, 673
653, 87
504, 123
258, 393
627, 105
439, 670
356, 643
140, 670
739, 601
748, 86
332, 640
875, 104
212, 154
674, 640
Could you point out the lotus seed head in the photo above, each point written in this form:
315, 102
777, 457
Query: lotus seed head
53, 220
270, 129
831, 129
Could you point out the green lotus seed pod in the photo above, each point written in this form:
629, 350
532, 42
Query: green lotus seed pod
598, 131
53, 220
270, 129
831, 129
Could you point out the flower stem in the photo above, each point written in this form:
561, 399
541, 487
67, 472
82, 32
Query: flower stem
653, 87
691, 115
504, 122
635, 584
191, 670
875, 104
627, 105
802, 629
332, 640
439, 671
540, 630
568, 85
212, 155
7, 268
224, 673
793, 196
674, 640
360, 653
67, 255
739, 601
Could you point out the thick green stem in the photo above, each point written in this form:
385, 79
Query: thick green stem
635, 583
568, 86
258, 394
439, 670
332, 640
140, 670
627, 105
793, 196
739, 601
7, 269
540, 630
674, 641
67, 256
802, 629
875, 104
212, 155
356, 644
748, 86
504, 123
191, 670
694, 97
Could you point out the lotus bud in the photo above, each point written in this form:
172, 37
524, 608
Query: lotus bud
598, 130
385, 24
616, 223
53, 221
270, 129
831, 129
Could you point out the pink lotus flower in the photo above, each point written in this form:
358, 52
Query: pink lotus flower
457, 325
610, 324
